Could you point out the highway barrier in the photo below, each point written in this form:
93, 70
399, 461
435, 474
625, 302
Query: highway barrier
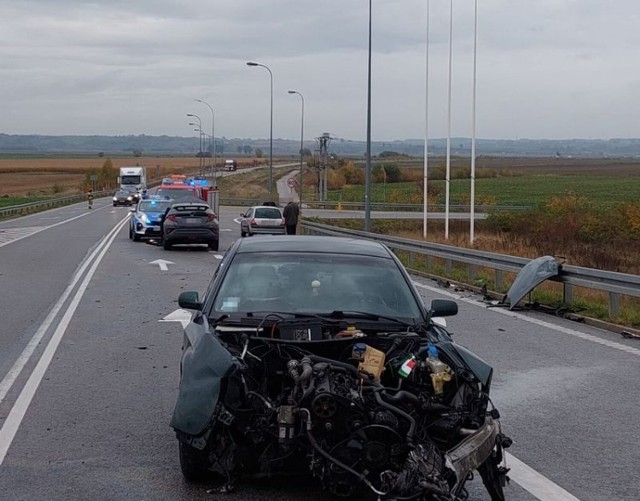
614, 283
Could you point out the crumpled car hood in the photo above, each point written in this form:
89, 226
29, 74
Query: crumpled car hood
204, 365
533, 274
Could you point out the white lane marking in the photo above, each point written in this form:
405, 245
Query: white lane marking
217, 256
535, 321
19, 409
41, 228
16, 369
162, 263
536, 484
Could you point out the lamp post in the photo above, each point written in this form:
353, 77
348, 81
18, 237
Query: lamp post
367, 172
213, 136
270, 183
301, 145
200, 146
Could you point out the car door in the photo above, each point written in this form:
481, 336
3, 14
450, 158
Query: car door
244, 221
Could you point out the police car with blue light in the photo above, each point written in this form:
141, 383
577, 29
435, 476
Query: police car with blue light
146, 218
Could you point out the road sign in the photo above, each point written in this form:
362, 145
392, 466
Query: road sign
291, 183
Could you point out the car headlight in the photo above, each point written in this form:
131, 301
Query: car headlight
129, 198
115, 199
144, 218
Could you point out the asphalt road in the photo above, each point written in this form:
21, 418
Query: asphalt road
89, 374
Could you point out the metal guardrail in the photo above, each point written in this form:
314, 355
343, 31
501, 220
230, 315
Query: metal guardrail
614, 283
378, 206
50, 203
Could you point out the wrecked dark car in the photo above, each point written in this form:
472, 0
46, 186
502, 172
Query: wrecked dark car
316, 356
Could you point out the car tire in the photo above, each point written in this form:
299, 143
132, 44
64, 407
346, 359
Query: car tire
115, 205
243, 233
193, 463
136, 237
166, 246
213, 245
130, 233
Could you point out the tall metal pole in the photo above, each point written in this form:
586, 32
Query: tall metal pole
200, 145
213, 134
472, 212
270, 183
367, 173
300, 185
426, 136
448, 172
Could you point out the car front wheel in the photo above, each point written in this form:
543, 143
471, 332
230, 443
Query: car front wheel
166, 245
213, 245
193, 463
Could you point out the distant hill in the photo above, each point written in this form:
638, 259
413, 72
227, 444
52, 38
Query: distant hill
182, 146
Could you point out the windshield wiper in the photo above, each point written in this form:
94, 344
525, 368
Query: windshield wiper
342, 314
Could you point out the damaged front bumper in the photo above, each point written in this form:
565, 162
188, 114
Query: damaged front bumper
474, 450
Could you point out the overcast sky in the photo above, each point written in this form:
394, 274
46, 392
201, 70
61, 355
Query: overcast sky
546, 68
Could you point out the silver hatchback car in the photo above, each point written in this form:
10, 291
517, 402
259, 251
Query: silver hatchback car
262, 220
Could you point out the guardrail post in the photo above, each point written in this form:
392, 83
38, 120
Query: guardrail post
411, 260
499, 279
447, 267
473, 271
614, 304
567, 293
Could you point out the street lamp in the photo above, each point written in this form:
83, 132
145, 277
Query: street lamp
367, 172
213, 135
301, 144
251, 63
200, 126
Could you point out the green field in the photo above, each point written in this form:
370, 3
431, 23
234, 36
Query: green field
525, 190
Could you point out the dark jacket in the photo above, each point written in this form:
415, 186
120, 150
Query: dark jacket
291, 213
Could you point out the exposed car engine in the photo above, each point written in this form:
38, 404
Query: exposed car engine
394, 415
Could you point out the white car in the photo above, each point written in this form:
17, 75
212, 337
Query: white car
262, 220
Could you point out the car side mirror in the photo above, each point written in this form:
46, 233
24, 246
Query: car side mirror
132, 210
189, 300
443, 308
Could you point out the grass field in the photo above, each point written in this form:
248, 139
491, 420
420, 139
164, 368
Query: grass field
519, 182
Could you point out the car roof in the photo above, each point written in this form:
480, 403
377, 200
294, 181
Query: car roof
312, 243
266, 207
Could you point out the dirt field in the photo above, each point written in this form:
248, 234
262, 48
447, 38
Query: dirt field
49, 176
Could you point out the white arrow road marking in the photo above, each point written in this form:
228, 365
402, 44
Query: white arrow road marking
179, 315
162, 263
225, 229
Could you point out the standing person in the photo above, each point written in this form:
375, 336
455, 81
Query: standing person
90, 198
291, 213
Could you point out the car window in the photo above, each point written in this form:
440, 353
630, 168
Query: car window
190, 208
176, 194
153, 206
315, 283
267, 213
